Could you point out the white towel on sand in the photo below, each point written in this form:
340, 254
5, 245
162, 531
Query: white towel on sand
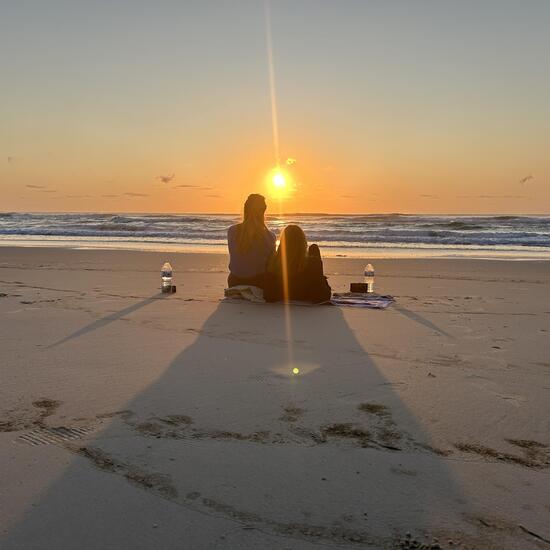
351, 299
356, 299
245, 292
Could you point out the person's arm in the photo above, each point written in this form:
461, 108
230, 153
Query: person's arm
271, 241
230, 245
231, 236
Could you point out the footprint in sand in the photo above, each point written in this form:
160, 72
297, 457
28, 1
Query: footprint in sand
19, 420
171, 426
291, 413
47, 408
534, 453
385, 431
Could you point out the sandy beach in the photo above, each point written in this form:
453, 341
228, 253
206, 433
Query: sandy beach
184, 426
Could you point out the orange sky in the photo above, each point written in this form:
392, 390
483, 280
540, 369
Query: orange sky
384, 108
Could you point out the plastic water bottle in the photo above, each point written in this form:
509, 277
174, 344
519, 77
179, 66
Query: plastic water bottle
369, 277
166, 275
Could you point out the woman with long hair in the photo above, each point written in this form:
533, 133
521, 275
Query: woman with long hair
251, 245
296, 271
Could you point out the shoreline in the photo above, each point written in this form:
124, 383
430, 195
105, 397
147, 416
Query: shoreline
363, 236
216, 262
379, 252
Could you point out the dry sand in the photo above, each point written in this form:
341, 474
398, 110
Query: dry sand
430, 420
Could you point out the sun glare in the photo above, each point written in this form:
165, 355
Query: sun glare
279, 180
279, 184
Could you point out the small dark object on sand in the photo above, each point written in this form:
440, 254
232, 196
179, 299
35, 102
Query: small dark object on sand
361, 288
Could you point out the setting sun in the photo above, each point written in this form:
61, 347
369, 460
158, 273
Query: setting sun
279, 180
279, 184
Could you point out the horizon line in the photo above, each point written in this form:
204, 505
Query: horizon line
150, 213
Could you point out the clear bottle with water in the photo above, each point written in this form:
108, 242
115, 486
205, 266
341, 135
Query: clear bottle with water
369, 278
166, 273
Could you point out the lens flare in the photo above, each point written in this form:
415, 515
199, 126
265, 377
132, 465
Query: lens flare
295, 370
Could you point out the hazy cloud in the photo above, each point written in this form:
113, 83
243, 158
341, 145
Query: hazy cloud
526, 179
188, 186
110, 196
491, 197
40, 188
215, 196
429, 196
166, 179
136, 195
78, 196
349, 196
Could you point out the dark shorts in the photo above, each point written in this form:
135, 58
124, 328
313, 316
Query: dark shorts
257, 280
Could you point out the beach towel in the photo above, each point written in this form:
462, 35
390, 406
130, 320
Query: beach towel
255, 294
249, 293
245, 292
355, 299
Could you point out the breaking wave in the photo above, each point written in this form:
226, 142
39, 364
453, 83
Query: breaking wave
341, 231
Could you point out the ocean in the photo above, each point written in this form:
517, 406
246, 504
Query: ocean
372, 235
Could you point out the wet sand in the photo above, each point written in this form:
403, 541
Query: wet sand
135, 420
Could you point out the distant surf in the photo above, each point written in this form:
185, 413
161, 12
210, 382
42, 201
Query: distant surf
339, 235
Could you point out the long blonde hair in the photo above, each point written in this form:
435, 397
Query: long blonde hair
291, 256
252, 229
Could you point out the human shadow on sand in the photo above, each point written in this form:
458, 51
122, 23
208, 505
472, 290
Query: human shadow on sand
413, 316
275, 420
107, 319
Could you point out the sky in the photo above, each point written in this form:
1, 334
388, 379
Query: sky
422, 106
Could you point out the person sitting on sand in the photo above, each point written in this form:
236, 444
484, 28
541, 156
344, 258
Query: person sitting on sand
296, 272
251, 245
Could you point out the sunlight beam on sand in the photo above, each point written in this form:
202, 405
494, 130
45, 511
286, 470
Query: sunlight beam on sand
286, 305
278, 179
